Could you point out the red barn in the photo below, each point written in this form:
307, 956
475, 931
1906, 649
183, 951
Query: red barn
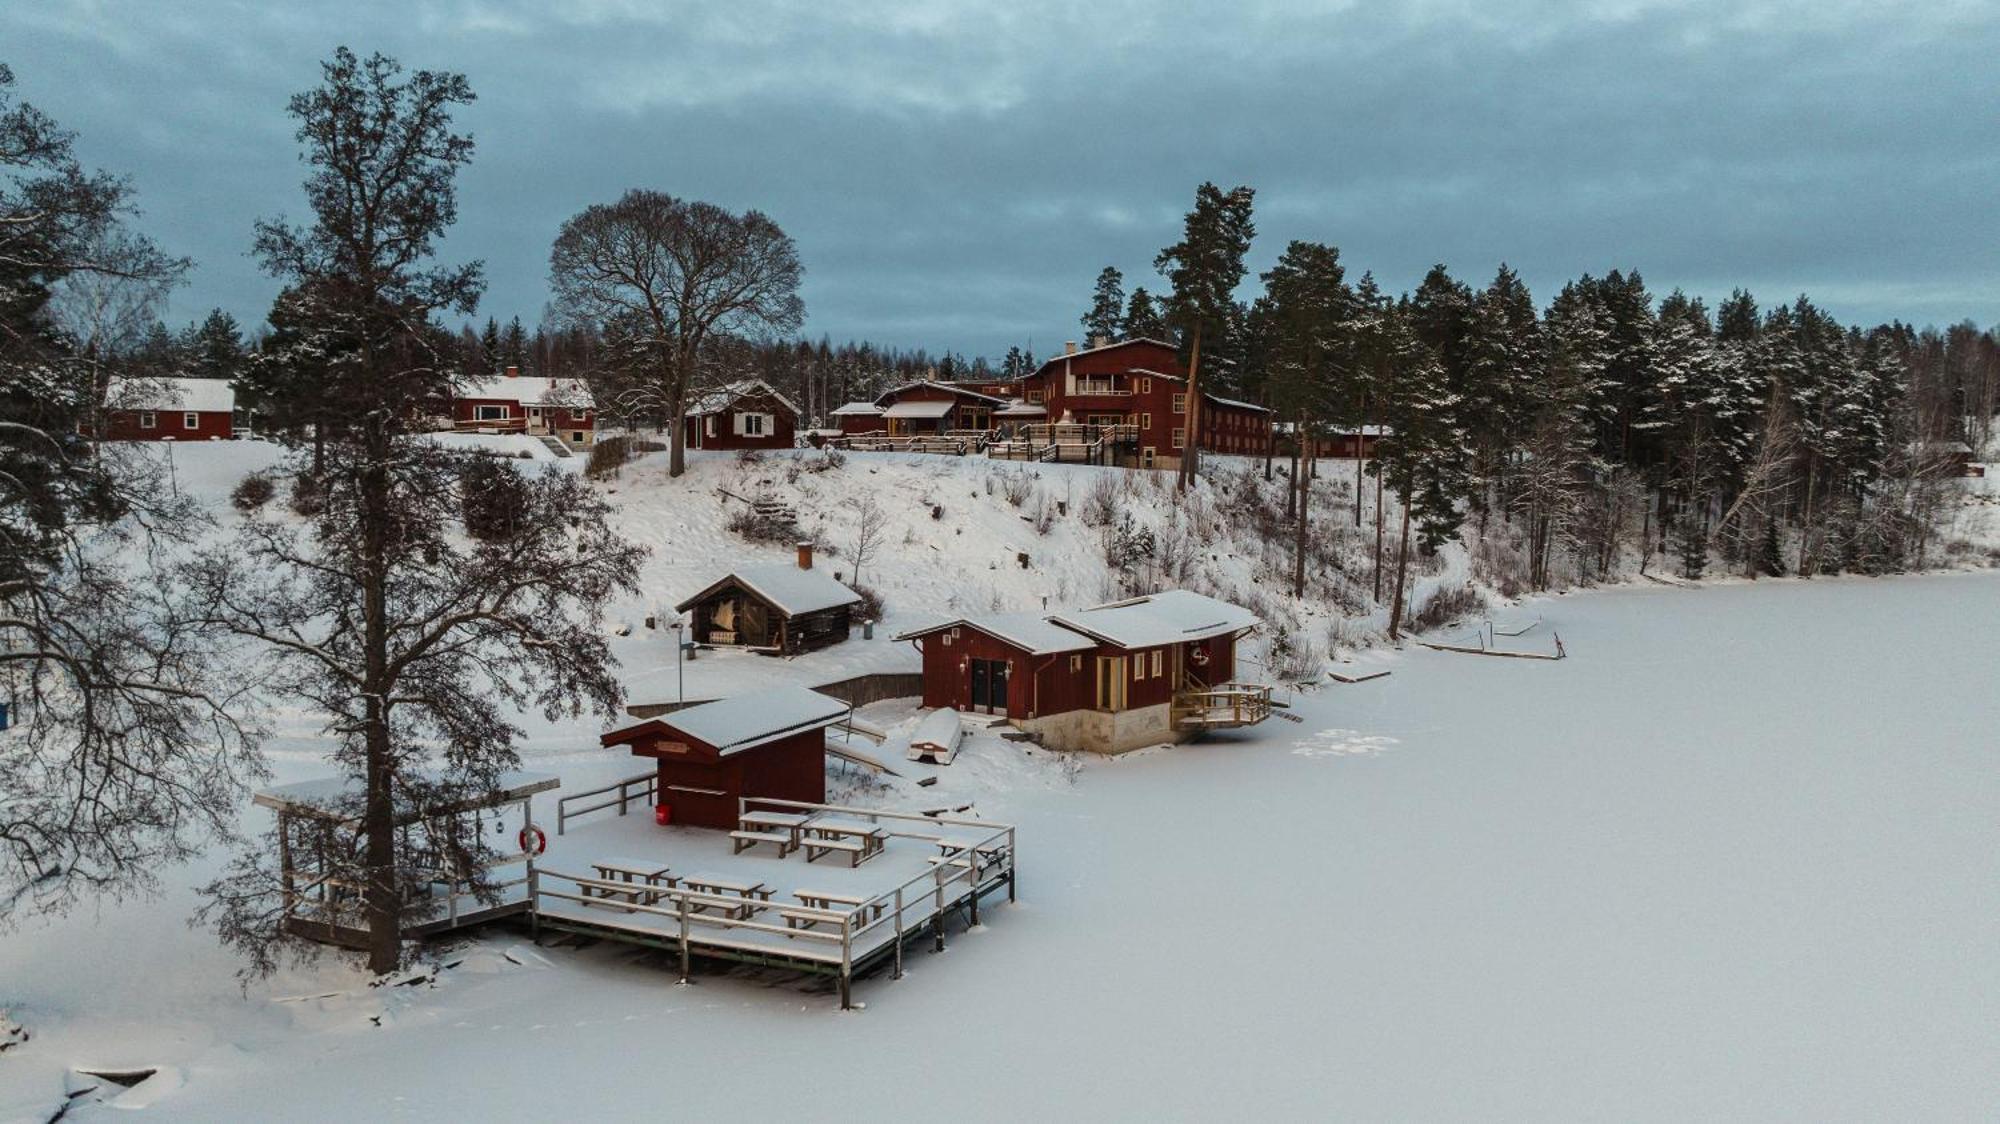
178, 409
742, 415
538, 407
1108, 679
772, 744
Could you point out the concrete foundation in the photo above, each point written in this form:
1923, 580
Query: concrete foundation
1101, 731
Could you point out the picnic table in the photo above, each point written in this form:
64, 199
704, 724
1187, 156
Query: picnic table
779, 828
828, 900
858, 839
635, 880
754, 894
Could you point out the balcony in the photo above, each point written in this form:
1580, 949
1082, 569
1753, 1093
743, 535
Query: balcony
1225, 707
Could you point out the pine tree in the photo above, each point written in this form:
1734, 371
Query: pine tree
1107, 307
514, 345
218, 351
1143, 319
489, 345
1205, 267
1309, 346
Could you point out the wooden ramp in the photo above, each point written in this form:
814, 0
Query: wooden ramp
1341, 675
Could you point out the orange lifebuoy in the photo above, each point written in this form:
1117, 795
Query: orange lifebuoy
541, 841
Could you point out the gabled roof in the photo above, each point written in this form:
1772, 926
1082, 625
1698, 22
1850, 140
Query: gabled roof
529, 390
1030, 632
722, 397
790, 590
933, 385
1221, 401
1173, 617
1054, 360
856, 410
744, 722
920, 408
169, 392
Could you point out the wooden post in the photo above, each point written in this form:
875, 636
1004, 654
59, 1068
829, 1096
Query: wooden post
899, 934
847, 962
1013, 865
285, 859
686, 960
937, 916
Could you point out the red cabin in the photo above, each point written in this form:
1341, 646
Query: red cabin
772, 744
1108, 679
742, 415
170, 409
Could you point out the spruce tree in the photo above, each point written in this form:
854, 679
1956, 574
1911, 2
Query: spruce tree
1205, 267
1107, 307
1143, 318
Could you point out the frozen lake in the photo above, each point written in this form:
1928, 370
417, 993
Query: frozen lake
1739, 857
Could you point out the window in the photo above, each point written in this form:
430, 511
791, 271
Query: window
146, 419
1147, 456
1138, 667
190, 420
1076, 663
1145, 386
1157, 656
1180, 438
489, 413
1035, 397
753, 425
708, 426
1180, 403
1145, 421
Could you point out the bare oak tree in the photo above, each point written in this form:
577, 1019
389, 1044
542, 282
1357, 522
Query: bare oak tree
666, 275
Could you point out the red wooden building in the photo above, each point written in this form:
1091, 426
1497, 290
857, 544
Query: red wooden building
1108, 679
858, 417
772, 743
161, 409
1142, 383
1339, 443
743, 415
921, 409
538, 407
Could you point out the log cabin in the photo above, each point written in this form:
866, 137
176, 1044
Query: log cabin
1106, 679
770, 743
774, 608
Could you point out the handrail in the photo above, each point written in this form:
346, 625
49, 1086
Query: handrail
649, 784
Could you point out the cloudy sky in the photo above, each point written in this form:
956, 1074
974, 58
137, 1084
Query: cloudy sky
956, 173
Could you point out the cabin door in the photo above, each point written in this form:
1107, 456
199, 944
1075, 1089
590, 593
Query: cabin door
989, 686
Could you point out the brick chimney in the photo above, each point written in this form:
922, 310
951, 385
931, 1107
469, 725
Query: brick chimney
1100, 341
513, 372
805, 556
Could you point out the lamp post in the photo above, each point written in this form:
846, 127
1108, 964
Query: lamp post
173, 479
680, 673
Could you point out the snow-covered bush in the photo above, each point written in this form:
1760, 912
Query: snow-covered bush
253, 493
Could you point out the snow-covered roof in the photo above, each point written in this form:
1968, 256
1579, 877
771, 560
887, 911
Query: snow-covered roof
921, 384
856, 410
1055, 359
1233, 402
747, 721
1021, 410
171, 393
789, 589
1173, 617
344, 794
527, 390
921, 408
1030, 632
722, 397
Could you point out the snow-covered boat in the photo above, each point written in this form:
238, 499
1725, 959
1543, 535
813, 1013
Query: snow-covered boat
937, 737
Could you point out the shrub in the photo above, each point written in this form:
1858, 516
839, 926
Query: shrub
253, 493
762, 528
607, 456
871, 604
308, 498
1446, 604
492, 498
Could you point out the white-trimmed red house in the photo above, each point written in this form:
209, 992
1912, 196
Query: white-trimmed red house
1107, 679
770, 744
743, 415
1142, 384
858, 417
169, 408
539, 407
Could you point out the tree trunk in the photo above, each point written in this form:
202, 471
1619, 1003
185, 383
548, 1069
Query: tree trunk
1292, 487
1190, 452
1358, 462
1806, 517
1402, 571
1378, 534
382, 903
1304, 486
676, 387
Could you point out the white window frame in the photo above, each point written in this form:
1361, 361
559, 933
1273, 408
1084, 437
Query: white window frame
1180, 403
1035, 397
148, 420
1157, 664
1180, 438
755, 424
190, 420
1145, 386
481, 412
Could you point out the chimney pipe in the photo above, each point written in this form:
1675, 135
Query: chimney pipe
513, 372
1100, 341
805, 556
1069, 347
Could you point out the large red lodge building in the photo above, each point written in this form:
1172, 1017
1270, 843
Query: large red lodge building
1130, 398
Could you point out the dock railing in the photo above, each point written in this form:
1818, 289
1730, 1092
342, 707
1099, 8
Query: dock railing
979, 858
641, 787
1230, 704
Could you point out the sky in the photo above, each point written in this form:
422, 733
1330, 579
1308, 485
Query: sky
956, 174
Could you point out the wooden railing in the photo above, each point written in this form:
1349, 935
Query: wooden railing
1230, 704
641, 787
498, 425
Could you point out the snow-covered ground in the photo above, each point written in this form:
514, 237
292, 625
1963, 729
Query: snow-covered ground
1737, 858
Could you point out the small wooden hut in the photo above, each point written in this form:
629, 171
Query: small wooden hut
773, 608
771, 743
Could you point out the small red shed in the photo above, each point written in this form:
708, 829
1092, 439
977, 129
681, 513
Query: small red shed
772, 743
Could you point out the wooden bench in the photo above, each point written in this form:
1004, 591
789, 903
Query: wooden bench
829, 901
824, 846
754, 894
742, 840
605, 891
